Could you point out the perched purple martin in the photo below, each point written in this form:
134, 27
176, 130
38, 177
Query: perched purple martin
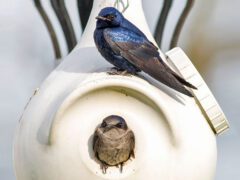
113, 142
128, 49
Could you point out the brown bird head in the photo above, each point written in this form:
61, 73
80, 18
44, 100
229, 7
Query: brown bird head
113, 121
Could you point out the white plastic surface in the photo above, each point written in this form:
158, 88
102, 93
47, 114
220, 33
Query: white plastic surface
54, 139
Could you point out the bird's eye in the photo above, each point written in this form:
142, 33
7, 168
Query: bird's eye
119, 125
104, 124
111, 17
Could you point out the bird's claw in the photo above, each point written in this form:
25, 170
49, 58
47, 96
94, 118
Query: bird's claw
104, 168
121, 167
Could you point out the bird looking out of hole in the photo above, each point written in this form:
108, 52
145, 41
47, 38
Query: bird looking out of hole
113, 142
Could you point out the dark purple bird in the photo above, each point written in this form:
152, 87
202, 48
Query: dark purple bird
128, 49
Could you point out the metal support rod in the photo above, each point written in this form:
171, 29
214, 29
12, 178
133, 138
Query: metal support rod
84, 10
63, 17
158, 34
50, 29
180, 23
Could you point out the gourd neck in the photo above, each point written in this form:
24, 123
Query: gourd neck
133, 13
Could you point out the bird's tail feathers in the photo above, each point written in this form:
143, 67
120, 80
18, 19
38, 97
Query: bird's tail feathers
170, 80
184, 82
180, 79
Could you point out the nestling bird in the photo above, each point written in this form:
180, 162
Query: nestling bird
113, 142
128, 49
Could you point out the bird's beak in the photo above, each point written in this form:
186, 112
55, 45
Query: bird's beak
108, 128
102, 18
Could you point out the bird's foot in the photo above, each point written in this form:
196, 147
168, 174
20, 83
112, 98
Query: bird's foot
104, 168
121, 167
115, 71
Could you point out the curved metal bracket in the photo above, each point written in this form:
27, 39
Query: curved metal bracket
64, 19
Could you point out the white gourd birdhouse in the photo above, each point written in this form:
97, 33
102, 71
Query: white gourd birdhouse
54, 138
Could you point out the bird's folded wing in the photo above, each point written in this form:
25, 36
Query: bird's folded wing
144, 55
95, 142
131, 139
